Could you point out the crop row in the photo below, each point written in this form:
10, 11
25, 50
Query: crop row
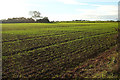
11, 48
59, 58
18, 46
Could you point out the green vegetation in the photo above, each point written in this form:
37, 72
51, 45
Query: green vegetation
84, 21
50, 49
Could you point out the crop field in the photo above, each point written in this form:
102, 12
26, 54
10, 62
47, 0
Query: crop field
49, 50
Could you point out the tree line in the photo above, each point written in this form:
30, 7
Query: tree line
36, 18
25, 20
83, 21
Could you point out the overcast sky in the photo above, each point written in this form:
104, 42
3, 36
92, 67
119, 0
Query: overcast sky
59, 10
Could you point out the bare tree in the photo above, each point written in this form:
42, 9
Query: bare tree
35, 14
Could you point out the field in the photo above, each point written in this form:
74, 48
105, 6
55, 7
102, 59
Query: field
49, 50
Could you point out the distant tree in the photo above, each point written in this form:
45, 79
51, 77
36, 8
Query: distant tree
19, 20
44, 20
35, 14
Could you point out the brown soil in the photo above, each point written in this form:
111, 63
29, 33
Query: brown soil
103, 66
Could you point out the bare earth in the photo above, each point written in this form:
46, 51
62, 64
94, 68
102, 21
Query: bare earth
103, 66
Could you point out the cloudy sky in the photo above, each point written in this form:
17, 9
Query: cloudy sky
59, 10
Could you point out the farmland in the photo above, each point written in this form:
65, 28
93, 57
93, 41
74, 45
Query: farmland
48, 50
